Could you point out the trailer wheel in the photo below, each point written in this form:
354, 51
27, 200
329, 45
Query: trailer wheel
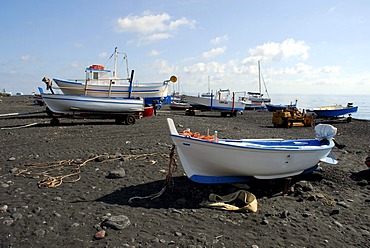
54, 122
130, 120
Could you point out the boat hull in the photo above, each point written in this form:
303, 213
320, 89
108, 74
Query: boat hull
207, 103
255, 106
334, 111
179, 105
237, 161
150, 92
275, 107
71, 104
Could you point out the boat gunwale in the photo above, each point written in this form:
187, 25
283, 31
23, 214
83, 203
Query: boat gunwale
260, 147
82, 82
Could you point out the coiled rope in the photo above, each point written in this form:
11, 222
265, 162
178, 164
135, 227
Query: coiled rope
53, 174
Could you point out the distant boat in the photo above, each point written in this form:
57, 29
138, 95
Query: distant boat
100, 83
273, 107
179, 105
255, 100
207, 159
335, 110
218, 102
5, 93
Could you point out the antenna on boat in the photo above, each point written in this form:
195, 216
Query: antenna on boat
115, 54
125, 57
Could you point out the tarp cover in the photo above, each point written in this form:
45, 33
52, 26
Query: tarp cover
325, 131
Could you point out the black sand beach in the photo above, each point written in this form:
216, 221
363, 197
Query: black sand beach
328, 208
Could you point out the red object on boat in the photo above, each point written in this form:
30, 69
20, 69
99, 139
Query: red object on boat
97, 67
148, 111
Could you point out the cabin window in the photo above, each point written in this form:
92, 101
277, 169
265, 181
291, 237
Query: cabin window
95, 75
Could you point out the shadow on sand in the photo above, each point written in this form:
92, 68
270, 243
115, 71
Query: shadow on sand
189, 195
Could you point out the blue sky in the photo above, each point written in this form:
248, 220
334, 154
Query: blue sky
313, 47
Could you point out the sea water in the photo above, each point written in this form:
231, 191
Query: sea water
313, 101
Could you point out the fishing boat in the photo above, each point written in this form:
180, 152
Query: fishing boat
218, 102
123, 110
335, 110
256, 100
72, 104
208, 159
177, 102
273, 107
179, 105
102, 82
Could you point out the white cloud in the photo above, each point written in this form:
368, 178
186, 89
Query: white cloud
289, 48
331, 69
154, 37
152, 27
217, 68
212, 68
26, 57
219, 39
103, 55
164, 68
142, 24
251, 60
282, 64
214, 52
299, 68
196, 68
154, 53
180, 22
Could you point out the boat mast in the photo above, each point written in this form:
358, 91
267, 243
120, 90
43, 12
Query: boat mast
209, 86
115, 63
259, 77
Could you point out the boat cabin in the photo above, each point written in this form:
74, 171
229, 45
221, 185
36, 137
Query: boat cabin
98, 74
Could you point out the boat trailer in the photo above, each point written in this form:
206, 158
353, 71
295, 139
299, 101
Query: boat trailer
126, 118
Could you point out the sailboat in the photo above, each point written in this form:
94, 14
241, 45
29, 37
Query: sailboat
255, 100
208, 93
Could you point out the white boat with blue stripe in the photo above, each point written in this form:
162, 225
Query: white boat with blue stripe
72, 105
100, 82
232, 161
217, 102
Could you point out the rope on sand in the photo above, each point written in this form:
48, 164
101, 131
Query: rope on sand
60, 169
172, 167
28, 125
152, 196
